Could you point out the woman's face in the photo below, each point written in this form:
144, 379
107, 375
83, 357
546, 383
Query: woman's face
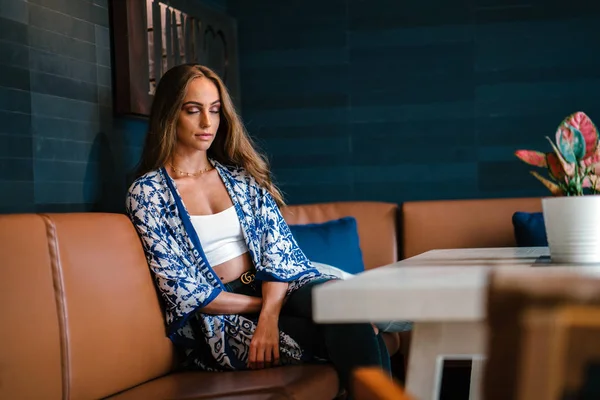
199, 116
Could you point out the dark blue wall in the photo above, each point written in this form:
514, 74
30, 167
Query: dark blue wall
409, 100
352, 100
60, 147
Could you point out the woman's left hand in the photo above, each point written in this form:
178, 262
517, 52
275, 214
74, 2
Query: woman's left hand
264, 346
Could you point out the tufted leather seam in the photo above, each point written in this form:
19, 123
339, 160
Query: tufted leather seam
61, 306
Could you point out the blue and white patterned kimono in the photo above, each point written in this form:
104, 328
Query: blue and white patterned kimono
187, 282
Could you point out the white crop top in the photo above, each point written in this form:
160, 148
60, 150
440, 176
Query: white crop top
220, 235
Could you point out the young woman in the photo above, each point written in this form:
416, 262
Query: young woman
235, 286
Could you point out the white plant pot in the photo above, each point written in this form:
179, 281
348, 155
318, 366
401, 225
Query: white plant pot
573, 228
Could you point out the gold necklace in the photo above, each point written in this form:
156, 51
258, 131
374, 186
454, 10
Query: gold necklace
192, 174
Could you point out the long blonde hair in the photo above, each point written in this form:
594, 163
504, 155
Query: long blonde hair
232, 144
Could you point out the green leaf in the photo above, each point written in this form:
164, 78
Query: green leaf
568, 168
579, 143
571, 144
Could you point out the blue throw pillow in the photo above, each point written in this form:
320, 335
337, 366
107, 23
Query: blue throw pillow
529, 229
333, 242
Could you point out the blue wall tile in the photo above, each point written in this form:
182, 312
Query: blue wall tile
383, 14
63, 149
61, 128
13, 54
323, 33
15, 10
59, 107
16, 123
315, 193
17, 196
15, 146
13, 31
82, 10
308, 80
102, 36
310, 57
319, 131
50, 20
103, 56
505, 176
463, 110
288, 10
13, 77
58, 170
60, 44
63, 87
65, 67
15, 100
299, 116
411, 36
16, 169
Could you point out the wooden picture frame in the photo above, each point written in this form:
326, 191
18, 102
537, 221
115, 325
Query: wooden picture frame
187, 32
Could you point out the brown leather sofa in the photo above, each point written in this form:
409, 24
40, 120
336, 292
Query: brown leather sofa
453, 224
81, 318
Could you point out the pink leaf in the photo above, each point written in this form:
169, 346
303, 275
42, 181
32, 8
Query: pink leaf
553, 187
535, 158
555, 166
591, 181
593, 159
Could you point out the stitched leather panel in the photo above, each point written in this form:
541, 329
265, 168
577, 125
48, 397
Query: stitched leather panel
115, 327
30, 346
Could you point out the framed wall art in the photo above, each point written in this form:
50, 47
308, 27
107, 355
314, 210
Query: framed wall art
151, 36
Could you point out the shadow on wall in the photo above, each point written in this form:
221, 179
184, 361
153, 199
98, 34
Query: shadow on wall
103, 182
117, 152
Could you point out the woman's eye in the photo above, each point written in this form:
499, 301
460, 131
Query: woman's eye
193, 110
214, 110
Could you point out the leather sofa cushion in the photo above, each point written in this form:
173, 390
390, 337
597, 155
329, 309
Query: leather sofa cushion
311, 382
428, 225
377, 226
30, 344
114, 325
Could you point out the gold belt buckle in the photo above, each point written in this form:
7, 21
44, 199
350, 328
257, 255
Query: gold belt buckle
247, 277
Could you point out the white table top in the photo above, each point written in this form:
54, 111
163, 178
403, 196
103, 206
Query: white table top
439, 285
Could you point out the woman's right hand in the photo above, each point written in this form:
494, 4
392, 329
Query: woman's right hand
264, 346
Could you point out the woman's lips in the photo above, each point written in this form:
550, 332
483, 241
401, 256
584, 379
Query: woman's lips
204, 136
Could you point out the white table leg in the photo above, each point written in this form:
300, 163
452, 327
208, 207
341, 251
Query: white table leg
477, 366
431, 343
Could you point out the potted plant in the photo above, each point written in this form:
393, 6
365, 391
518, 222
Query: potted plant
572, 215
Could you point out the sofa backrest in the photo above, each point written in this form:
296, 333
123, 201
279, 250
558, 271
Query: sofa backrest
429, 225
377, 225
80, 314
111, 318
30, 335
